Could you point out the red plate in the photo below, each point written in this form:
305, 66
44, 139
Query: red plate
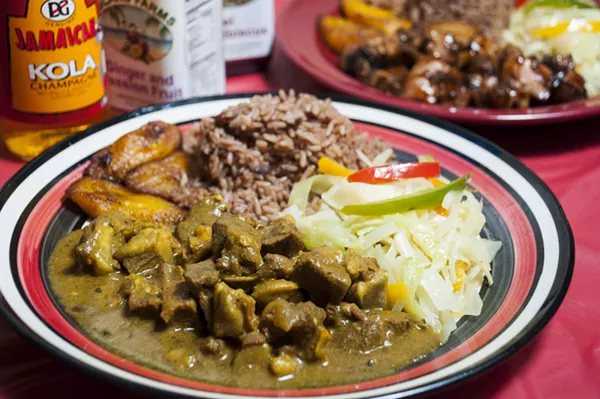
297, 33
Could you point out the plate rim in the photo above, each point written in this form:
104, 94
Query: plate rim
547, 114
523, 338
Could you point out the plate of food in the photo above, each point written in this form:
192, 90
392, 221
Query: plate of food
466, 61
281, 245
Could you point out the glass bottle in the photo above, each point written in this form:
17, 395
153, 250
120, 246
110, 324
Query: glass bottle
52, 76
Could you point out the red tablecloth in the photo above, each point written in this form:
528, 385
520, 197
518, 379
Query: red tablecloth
563, 361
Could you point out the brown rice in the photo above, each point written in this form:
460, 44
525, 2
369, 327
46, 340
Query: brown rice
253, 153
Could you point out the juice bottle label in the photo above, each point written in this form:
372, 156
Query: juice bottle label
248, 28
162, 50
56, 58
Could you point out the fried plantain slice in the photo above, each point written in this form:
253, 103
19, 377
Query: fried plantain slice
152, 141
338, 33
161, 177
98, 196
379, 18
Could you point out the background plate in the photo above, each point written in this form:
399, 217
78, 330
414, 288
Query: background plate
298, 36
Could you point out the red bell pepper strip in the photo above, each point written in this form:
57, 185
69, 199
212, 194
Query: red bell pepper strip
388, 173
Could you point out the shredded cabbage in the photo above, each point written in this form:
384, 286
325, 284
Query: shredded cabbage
436, 262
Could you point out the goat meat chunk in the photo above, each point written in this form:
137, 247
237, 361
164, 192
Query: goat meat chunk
281, 237
233, 312
178, 303
236, 245
321, 273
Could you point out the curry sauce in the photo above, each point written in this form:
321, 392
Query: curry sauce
289, 318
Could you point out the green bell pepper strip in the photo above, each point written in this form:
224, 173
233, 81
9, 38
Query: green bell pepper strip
555, 4
423, 199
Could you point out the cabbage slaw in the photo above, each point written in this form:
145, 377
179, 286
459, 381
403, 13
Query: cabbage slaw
437, 261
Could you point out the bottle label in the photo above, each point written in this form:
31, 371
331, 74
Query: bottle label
56, 58
162, 50
248, 28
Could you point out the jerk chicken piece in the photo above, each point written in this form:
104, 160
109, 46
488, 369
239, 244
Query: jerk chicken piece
525, 74
483, 46
566, 84
449, 41
483, 89
482, 72
488, 90
154, 140
388, 80
379, 53
436, 82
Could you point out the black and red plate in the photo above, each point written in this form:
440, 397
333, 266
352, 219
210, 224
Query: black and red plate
531, 272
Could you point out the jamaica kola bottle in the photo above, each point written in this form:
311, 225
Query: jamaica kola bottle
161, 51
52, 80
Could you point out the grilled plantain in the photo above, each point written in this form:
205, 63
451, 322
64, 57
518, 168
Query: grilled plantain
340, 32
97, 197
154, 140
379, 18
161, 177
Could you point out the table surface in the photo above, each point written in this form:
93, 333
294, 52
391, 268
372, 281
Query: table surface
562, 361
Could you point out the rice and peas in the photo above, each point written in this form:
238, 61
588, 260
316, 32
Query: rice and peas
263, 157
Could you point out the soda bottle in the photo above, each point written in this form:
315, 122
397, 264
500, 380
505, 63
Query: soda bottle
52, 76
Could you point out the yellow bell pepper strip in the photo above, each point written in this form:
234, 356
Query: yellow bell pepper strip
396, 292
461, 270
530, 5
423, 199
571, 26
440, 210
437, 182
425, 158
328, 166
393, 172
